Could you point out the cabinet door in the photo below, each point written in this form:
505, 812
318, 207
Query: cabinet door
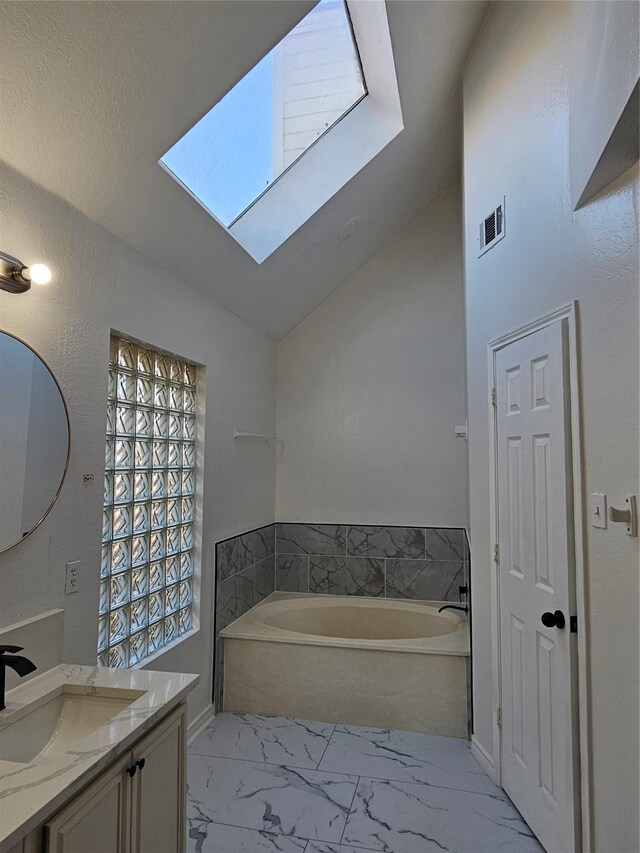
158, 822
97, 820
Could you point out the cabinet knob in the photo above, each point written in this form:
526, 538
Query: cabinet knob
140, 763
132, 770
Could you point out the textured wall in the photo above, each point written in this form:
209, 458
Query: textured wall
516, 131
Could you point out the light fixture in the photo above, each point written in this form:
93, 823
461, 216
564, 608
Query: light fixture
15, 277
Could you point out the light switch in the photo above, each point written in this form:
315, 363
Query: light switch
598, 510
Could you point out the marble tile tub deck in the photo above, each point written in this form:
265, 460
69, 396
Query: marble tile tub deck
259, 784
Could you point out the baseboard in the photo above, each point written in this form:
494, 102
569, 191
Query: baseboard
485, 760
200, 723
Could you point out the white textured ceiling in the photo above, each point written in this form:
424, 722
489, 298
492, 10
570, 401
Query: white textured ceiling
93, 93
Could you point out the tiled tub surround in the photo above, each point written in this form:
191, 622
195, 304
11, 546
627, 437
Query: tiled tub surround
427, 563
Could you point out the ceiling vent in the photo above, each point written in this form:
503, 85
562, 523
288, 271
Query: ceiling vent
492, 229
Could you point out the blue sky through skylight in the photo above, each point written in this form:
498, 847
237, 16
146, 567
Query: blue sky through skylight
272, 115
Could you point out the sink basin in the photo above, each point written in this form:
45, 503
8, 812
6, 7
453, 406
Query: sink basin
60, 721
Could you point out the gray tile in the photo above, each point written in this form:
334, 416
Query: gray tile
405, 542
275, 740
405, 818
205, 837
444, 543
265, 577
292, 572
244, 550
236, 595
268, 797
406, 757
346, 576
432, 580
310, 539
321, 847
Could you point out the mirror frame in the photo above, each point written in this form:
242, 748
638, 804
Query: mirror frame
66, 461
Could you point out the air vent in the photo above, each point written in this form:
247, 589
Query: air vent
492, 229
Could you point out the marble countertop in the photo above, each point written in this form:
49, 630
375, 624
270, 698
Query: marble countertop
31, 793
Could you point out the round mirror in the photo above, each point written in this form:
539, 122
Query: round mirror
34, 440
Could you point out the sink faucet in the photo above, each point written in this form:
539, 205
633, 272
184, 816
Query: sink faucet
464, 608
23, 666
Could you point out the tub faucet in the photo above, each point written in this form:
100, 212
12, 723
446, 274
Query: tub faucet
23, 666
464, 608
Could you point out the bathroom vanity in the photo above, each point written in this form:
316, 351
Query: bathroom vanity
92, 760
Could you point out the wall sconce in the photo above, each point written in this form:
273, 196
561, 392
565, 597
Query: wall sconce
15, 277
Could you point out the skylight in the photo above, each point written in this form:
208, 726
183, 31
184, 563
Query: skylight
291, 98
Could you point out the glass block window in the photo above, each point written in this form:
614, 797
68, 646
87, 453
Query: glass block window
146, 576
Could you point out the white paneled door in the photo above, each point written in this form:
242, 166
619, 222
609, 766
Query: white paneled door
536, 584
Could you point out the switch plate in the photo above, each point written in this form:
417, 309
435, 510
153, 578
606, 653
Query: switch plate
598, 510
72, 577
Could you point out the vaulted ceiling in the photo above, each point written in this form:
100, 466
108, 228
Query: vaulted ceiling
93, 94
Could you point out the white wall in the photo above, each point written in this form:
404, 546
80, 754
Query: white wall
371, 384
516, 143
101, 283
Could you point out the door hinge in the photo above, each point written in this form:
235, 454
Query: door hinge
496, 553
499, 717
573, 624
494, 397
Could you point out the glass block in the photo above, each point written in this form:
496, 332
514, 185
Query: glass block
184, 620
186, 564
125, 420
175, 454
121, 521
160, 454
186, 537
103, 659
109, 455
156, 606
111, 385
171, 599
159, 484
123, 453
119, 589
189, 401
145, 361
162, 365
174, 483
120, 555
141, 518
185, 593
142, 485
176, 370
108, 489
139, 614
161, 395
173, 540
103, 606
158, 514
160, 424
172, 570
188, 455
144, 391
137, 647
103, 633
155, 637
156, 576
173, 511
118, 656
113, 350
144, 423
106, 524
105, 562
175, 397
118, 625
122, 487
170, 628
125, 387
188, 482
139, 550
190, 374
175, 426
111, 418
157, 545
139, 581
127, 354
188, 509
143, 453
189, 427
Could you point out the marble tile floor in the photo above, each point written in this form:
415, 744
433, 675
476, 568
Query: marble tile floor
275, 785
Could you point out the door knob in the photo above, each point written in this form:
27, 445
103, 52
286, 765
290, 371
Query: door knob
553, 620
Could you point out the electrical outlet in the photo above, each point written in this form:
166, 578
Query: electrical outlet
72, 577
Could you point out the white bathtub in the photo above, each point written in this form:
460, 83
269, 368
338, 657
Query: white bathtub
363, 661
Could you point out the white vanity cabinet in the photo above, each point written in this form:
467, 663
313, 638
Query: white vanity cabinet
136, 806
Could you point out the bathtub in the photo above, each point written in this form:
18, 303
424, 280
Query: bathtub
377, 662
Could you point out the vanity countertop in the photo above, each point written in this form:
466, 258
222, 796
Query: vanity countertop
31, 793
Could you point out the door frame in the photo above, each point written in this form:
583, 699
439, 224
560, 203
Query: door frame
580, 695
